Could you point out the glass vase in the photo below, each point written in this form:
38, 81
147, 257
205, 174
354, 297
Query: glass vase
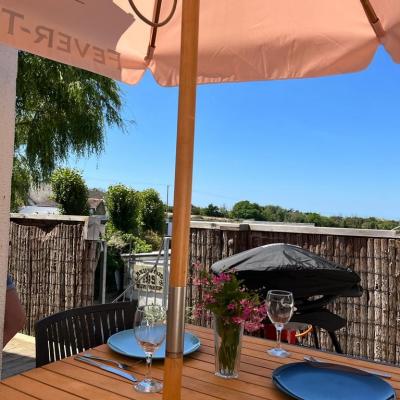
228, 343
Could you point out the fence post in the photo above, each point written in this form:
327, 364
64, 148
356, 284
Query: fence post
104, 273
167, 240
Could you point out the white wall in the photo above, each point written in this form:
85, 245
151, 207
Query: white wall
8, 74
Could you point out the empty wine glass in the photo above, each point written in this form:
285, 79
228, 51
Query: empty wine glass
280, 306
150, 331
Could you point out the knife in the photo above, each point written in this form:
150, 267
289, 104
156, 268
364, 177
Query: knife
107, 368
370, 371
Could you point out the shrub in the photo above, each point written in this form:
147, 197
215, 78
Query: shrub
70, 191
153, 239
246, 210
123, 205
153, 211
125, 242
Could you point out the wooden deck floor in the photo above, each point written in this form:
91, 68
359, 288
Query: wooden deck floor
18, 355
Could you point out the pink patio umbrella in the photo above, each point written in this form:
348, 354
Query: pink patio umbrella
238, 41
227, 41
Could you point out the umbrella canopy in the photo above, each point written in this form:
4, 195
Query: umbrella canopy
287, 267
238, 40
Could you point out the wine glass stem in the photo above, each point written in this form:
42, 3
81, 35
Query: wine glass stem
278, 335
148, 364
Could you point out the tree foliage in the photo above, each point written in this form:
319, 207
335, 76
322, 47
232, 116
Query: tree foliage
70, 191
246, 210
153, 239
195, 210
136, 219
21, 182
153, 211
214, 211
60, 110
122, 242
123, 205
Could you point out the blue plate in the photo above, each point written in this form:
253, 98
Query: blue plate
324, 381
124, 342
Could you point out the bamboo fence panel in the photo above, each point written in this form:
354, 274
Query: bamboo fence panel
356, 309
52, 265
373, 320
392, 301
371, 299
397, 296
385, 299
362, 312
378, 299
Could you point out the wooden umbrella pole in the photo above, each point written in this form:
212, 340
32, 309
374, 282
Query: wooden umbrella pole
182, 200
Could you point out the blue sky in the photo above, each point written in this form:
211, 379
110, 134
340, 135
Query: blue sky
329, 145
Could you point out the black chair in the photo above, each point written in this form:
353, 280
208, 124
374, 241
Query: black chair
73, 331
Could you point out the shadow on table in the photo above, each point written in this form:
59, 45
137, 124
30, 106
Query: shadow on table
16, 363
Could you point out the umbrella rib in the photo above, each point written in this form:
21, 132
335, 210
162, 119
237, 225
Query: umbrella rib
373, 19
152, 45
151, 23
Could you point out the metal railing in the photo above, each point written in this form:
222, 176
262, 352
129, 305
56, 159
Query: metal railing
147, 282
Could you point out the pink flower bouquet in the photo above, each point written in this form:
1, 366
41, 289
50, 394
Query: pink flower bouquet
234, 308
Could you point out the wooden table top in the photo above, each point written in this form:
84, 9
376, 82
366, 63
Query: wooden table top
72, 380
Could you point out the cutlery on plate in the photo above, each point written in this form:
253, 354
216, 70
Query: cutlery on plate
370, 371
117, 363
107, 368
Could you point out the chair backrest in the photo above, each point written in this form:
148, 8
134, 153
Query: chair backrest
73, 331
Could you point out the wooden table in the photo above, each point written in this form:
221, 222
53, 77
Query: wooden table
69, 379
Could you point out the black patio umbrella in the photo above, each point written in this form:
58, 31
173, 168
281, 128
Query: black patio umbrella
288, 267
313, 280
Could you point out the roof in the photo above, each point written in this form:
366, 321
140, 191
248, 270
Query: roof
94, 203
96, 193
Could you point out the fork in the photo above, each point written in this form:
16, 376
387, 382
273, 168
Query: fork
117, 363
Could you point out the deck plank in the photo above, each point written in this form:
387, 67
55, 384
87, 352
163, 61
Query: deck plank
18, 355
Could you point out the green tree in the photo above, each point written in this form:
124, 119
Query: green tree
70, 191
21, 183
213, 211
195, 210
123, 205
125, 242
224, 211
60, 110
153, 211
314, 218
153, 239
295, 216
274, 213
246, 210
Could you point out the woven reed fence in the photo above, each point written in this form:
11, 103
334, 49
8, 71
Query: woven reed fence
373, 320
52, 265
